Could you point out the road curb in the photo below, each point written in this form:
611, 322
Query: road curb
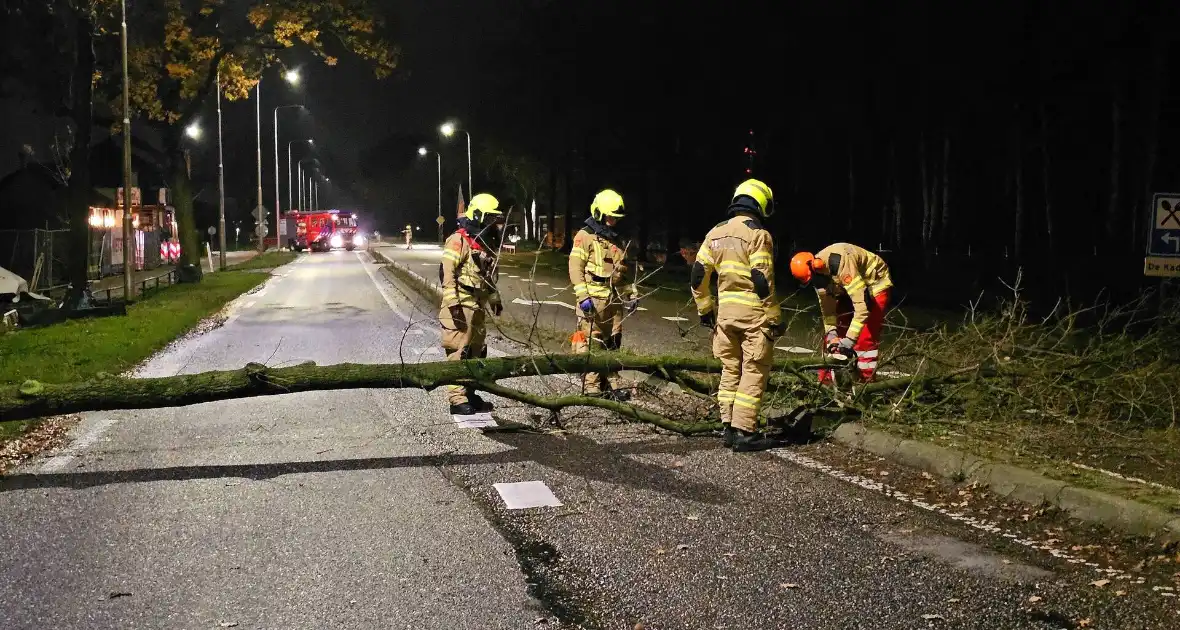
419, 282
1015, 483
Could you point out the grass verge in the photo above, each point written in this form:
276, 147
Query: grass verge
80, 349
269, 260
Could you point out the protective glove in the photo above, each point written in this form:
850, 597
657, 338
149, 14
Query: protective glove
777, 330
844, 347
830, 338
459, 318
587, 306
631, 305
709, 319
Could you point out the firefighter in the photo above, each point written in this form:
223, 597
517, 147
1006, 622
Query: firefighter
745, 318
596, 270
468, 275
843, 273
409, 234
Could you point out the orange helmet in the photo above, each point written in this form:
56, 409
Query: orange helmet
802, 264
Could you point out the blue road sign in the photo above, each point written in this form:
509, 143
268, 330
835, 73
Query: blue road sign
1165, 226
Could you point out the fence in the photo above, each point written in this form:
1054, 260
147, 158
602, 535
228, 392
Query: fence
39, 256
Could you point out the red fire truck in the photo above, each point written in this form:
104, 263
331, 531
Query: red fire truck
323, 230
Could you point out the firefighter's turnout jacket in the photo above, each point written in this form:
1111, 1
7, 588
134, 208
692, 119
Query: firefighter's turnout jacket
597, 271
854, 271
468, 274
741, 252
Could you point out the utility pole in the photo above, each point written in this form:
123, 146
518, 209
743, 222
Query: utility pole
260, 213
220, 179
128, 230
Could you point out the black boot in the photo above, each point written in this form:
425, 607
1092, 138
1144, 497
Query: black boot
619, 395
463, 409
727, 436
748, 442
478, 403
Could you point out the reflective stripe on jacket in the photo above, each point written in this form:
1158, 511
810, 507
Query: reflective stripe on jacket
463, 281
855, 271
596, 266
735, 249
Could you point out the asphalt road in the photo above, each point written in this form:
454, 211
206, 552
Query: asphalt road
371, 509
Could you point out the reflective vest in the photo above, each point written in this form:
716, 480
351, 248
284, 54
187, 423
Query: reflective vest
596, 266
854, 271
466, 272
736, 249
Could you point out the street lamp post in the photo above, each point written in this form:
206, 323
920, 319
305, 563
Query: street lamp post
128, 236
448, 129
220, 180
423, 151
290, 197
258, 129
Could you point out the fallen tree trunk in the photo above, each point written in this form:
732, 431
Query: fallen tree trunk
34, 399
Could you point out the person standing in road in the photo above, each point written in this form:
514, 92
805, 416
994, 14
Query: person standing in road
596, 271
745, 318
409, 234
843, 273
468, 275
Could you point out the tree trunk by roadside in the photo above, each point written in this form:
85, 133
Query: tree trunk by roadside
944, 234
551, 214
1116, 162
182, 200
78, 190
1157, 88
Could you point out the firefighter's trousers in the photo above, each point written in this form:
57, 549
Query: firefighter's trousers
600, 330
868, 344
465, 342
746, 352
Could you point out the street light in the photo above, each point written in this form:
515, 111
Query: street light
423, 151
292, 76
290, 198
128, 235
448, 129
278, 200
220, 181
193, 131
258, 140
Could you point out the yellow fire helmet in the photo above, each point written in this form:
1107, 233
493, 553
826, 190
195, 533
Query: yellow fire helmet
759, 192
481, 206
607, 203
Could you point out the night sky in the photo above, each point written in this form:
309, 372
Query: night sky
965, 140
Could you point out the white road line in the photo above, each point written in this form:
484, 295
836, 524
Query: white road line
795, 349
990, 527
526, 494
381, 287
541, 284
249, 304
676, 319
85, 441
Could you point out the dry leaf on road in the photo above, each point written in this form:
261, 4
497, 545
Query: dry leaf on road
788, 585
1099, 583
1034, 599
929, 617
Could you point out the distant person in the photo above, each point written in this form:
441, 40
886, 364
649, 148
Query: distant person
409, 234
745, 319
853, 286
468, 275
597, 271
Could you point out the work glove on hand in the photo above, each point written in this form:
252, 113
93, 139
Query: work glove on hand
777, 329
458, 318
844, 347
709, 319
631, 305
587, 306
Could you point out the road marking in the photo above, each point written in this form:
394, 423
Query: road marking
429, 264
475, 421
641, 308
795, 349
541, 284
249, 304
85, 441
556, 303
526, 494
676, 319
971, 521
523, 301
381, 287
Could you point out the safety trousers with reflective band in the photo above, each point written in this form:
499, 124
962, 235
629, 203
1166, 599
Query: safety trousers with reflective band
746, 353
463, 343
868, 344
598, 331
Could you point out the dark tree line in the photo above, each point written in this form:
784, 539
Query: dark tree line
965, 142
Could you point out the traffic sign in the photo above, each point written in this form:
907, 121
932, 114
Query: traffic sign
261, 230
440, 221
260, 212
1163, 245
212, 230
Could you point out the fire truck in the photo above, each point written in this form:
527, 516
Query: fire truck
323, 230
